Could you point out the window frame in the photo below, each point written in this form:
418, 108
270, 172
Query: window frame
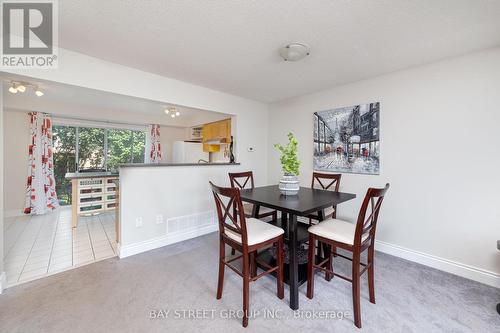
106, 126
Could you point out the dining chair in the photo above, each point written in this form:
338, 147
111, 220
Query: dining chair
325, 181
244, 180
247, 235
355, 238
329, 182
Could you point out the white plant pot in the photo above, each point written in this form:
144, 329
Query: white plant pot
289, 185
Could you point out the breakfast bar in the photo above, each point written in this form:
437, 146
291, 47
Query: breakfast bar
165, 203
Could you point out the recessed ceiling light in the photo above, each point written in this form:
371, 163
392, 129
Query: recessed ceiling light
295, 51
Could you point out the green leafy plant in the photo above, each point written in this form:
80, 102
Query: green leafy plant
289, 159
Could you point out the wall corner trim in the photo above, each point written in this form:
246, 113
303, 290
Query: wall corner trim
449, 266
3, 282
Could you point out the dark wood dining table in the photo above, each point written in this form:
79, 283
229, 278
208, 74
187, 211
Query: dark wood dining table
306, 202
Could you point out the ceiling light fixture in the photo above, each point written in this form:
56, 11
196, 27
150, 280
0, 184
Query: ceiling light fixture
13, 89
295, 51
172, 111
38, 92
21, 87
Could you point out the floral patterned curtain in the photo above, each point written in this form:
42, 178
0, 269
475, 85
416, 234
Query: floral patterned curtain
40, 191
154, 144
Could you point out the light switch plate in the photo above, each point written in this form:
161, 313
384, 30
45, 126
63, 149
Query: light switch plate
138, 222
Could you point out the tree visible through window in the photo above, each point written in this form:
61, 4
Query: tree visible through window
97, 148
124, 146
64, 140
91, 148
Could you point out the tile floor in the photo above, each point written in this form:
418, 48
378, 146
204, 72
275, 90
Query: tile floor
37, 246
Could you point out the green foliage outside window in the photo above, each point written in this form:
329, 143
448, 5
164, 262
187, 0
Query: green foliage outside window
123, 146
64, 140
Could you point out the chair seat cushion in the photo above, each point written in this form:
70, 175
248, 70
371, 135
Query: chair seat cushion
336, 230
257, 232
248, 209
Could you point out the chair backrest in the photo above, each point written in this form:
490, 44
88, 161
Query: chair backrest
366, 226
242, 179
230, 211
325, 181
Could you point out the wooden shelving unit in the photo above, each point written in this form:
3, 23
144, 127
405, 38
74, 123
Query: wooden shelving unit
93, 195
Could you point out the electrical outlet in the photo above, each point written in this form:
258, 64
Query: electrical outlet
159, 218
138, 222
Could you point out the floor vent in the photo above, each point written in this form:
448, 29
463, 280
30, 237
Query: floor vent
190, 222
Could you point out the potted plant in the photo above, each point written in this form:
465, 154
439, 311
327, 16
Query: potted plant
289, 183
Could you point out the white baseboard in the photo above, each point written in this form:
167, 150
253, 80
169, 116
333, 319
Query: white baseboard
3, 281
151, 244
453, 267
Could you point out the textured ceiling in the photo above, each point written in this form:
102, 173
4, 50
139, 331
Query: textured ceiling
232, 45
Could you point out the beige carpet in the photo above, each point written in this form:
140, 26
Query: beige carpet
118, 296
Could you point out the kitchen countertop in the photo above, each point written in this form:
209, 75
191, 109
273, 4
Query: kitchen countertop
140, 165
76, 175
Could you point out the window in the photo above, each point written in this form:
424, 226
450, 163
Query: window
91, 148
64, 140
124, 146
77, 148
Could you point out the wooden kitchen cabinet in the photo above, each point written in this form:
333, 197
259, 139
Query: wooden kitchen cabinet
219, 130
208, 148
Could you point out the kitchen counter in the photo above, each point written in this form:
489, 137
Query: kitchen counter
171, 164
78, 175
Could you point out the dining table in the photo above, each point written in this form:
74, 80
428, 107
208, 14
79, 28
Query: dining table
304, 203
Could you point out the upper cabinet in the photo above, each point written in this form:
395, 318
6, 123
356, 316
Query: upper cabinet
217, 131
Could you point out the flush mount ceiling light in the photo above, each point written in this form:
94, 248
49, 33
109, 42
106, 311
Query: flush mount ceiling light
16, 87
295, 51
172, 111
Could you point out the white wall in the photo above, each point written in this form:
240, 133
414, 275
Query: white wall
16, 134
440, 150
2, 273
